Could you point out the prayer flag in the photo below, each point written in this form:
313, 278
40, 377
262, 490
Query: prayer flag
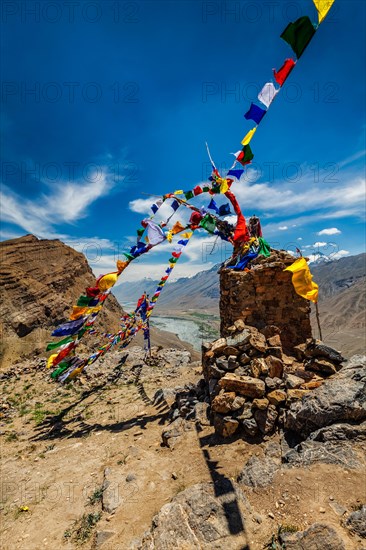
175, 205
177, 227
255, 113
188, 195
236, 173
224, 210
284, 71
299, 34
267, 94
322, 6
107, 281
303, 280
249, 136
197, 190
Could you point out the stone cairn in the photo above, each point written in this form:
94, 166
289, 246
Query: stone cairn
266, 357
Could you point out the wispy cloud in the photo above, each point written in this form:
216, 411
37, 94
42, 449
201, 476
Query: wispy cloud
65, 202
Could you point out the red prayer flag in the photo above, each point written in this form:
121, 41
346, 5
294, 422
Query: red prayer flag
197, 190
284, 71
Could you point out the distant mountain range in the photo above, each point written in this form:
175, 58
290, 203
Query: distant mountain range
342, 298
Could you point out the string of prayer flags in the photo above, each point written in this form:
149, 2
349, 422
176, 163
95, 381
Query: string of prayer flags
248, 136
322, 7
282, 73
302, 280
70, 328
255, 113
299, 34
267, 94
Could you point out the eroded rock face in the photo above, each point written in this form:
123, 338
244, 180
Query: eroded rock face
206, 516
41, 279
341, 399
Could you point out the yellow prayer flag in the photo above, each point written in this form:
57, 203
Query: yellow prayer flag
107, 281
50, 360
224, 187
302, 280
179, 192
249, 136
77, 312
322, 6
187, 235
169, 236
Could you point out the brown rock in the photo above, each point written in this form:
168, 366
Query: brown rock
274, 341
230, 350
239, 325
244, 385
293, 381
276, 397
223, 402
244, 359
225, 425
218, 346
275, 366
292, 395
261, 404
311, 385
259, 367
266, 420
321, 365
258, 341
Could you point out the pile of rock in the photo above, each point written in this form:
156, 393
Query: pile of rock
251, 381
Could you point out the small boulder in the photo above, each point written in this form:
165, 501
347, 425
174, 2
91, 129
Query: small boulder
275, 366
225, 426
276, 397
321, 365
266, 420
244, 385
261, 404
218, 346
292, 381
356, 522
259, 367
258, 341
223, 402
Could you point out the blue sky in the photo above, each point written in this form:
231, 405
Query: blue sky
106, 102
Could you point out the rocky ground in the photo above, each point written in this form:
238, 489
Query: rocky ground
127, 458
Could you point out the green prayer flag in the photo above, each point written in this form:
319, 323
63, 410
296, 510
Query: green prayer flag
84, 301
140, 232
208, 223
248, 155
128, 255
205, 188
64, 365
172, 260
54, 345
299, 34
264, 247
188, 195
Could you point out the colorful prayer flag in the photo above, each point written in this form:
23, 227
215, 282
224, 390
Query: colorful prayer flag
267, 94
299, 34
249, 136
302, 280
322, 6
281, 75
236, 173
255, 113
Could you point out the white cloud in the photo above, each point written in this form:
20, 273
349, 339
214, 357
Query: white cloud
319, 244
330, 231
141, 206
65, 203
283, 227
299, 239
339, 254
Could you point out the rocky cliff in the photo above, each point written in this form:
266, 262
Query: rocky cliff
40, 280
